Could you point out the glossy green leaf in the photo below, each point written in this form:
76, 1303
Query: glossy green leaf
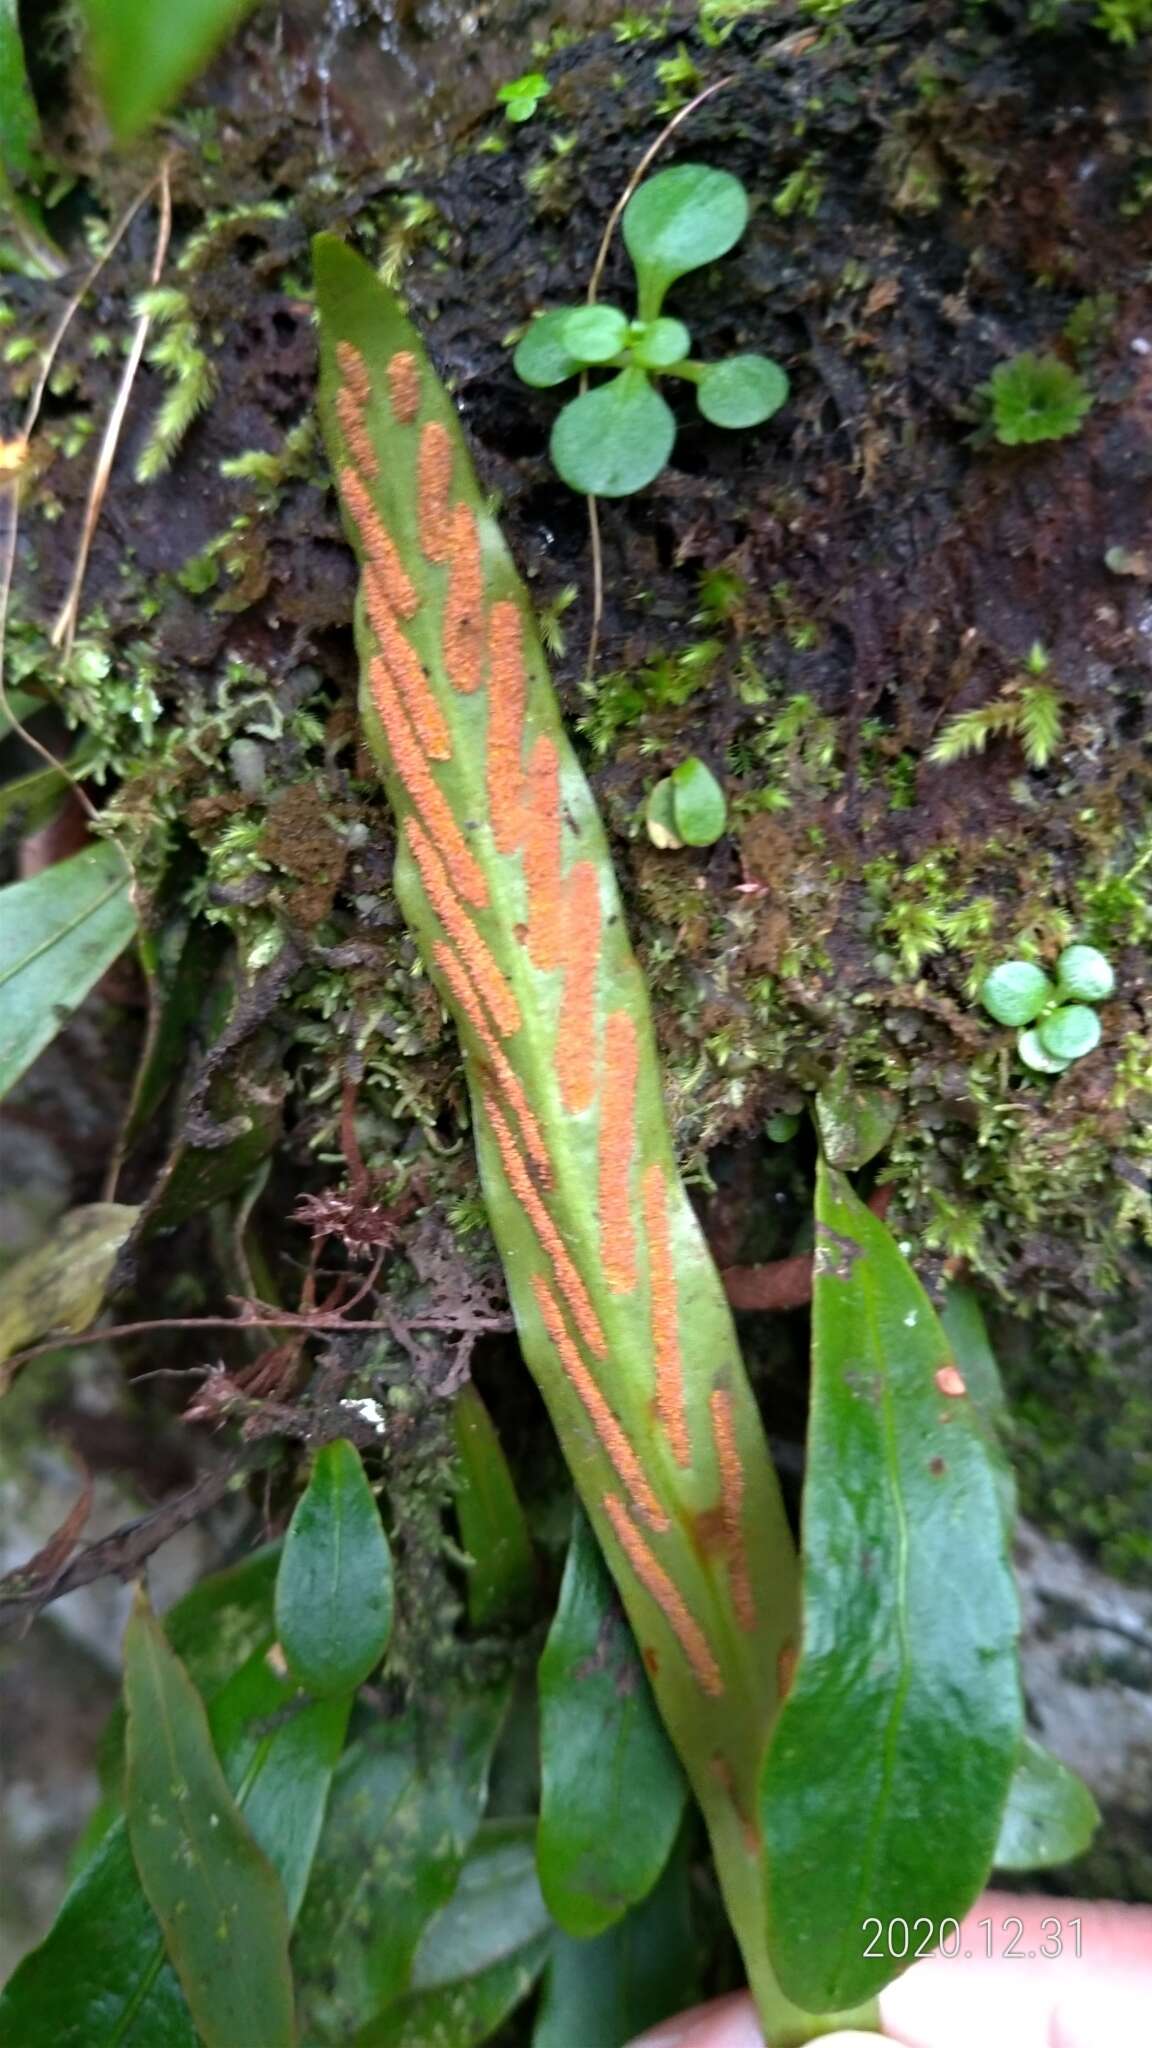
682, 218
180, 961
1050, 1817
480, 1956
59, 931
542, 357
60, 1284
101, 1978
699, 805
19, 121
493, 1529
143, 54
614, 439
405, 1805
642, 1970
30, 800
595, 334
334, 1587
612, 1791
660, 816
741, 391
854, 1122
891, 1761
214, 1892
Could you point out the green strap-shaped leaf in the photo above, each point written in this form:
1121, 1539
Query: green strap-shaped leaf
334, 1586
493, 1529
101, 1978
58, 933
219, 1901
144, 52
504, 874
19, 121
405, 1805
892, 1757
1050, 1817
642, 1970
612, 1791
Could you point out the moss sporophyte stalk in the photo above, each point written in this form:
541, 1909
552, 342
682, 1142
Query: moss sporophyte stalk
504, 874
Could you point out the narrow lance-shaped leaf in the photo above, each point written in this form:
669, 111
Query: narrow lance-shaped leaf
504, 874
493, 1529
334, 1586
101, 1978
58, 933
612, 1792
216, 1896
143, 53
643, 1969
892, 1757
19, 121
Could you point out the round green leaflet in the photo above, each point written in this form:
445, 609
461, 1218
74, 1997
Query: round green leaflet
742, 391
679, 220
698, 804
1085, 974
594, 334
1016, 992
614, 439
1070, 1032
659, 344
542, 357
1032, 1051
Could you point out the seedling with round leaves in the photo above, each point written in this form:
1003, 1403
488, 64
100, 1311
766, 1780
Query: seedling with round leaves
1054, 1020
616, 437
686, 808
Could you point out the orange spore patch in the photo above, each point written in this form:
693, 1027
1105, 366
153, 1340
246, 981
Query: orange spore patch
463, 626
354, 371
356, 434
379, 547
487, 980
434, 489
668, 1364
577, 1035
469, 999
951, 1382
506, 696
607, 1428
404, 667
668, 1598
569, 1284
404, 387
541, 842
732, 1506
617, 1146
427, 798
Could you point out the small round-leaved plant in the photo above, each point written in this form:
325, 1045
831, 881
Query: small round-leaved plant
1055, 1023
616, 437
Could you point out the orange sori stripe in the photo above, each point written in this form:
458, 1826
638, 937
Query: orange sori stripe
359, 440
669, 1365
470, 999
600, 1415
407, 672
668, 1598
379, 547
404, 387
463, 627
487, 979
354, 371
541, 842
732, 1506
576, 1037
429, 801
569, 1285
617, 1146
435, 490
505, 723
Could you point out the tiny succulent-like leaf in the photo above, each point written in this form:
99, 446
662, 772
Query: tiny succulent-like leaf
1085, 974
660, 816
741, 391
699, 806
1069, 1032
1016, 992
542, 357
594, 334
615, 439
334, 1586
661, 343
1050, 1817
677, 221
1034, 1054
